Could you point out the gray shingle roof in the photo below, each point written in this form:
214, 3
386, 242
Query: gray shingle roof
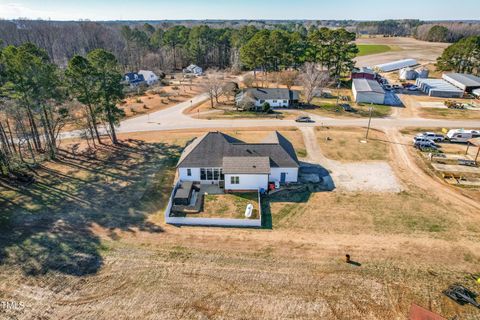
272, 93
210, 149
237, 165
365, 85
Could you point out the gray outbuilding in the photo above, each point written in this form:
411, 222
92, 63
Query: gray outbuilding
368, 91
439, 88
464, 81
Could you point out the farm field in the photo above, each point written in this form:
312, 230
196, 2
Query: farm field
367, 49
96, 245
402, 48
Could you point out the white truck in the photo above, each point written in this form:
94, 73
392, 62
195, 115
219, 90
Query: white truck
461, 135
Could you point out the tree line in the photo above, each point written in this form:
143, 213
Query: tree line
462, 56
38, 100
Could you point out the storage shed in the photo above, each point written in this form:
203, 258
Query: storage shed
368, 91
439, 88
466, 82
396, 65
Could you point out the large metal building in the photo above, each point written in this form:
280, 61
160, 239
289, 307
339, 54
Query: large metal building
396, 65
466, 82
368, 91
439, 88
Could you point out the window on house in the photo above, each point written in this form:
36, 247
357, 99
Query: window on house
216, 174
209, 174
189, 172
222, 176
274, 101
262, 101
203, 174
235, 180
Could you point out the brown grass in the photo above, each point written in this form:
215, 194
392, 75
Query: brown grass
344, 144
229, 206
411, 246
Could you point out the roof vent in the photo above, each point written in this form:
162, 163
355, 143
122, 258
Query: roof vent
254, 166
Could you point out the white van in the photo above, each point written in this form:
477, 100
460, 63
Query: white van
460, 135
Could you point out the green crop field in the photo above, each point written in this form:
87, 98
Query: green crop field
368, 49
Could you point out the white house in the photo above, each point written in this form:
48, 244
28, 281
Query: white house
149, 76
194, 69
368, 91
275, 97
216, 158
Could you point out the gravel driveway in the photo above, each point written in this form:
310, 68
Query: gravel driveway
373, 176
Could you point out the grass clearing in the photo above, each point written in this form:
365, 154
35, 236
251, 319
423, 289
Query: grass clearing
343, 144
330, 109
445, 113
368, 49
229, 206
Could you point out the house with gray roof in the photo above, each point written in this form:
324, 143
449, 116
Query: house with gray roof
276, 97
216, 158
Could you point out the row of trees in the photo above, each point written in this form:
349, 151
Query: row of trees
35, 100
446, 31
332, 50
463, 56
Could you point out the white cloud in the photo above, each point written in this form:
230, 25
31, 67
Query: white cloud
17, 10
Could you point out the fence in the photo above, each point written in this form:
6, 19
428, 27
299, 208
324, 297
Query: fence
218, 222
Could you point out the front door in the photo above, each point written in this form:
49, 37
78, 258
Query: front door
283, 177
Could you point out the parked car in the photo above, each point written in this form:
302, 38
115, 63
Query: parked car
387, 87
346, 107
417, 140
429, 144
412, 88
396, 87
432, 136
304, 119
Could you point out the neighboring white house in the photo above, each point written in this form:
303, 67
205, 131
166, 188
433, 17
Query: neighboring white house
149, 76
216, 158
368, 91
194, 69
275, 97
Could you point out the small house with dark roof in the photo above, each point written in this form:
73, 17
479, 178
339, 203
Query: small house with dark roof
275, 97
216, 158
133, 79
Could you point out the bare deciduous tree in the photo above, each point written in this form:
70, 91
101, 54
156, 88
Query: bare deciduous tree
313, 79
213, 86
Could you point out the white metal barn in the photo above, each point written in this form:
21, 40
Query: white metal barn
466, 82
439, 88
368, 91
396, 65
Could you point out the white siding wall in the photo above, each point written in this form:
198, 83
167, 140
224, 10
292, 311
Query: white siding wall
369, 97
278, 103
292, 174
247, 182
182, 174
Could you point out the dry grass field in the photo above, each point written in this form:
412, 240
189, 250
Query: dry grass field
344, 144
87, 241
229, 206
403, 48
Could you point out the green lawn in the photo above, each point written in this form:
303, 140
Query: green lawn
368, 49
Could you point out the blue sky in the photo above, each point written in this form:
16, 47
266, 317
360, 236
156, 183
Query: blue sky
239, 9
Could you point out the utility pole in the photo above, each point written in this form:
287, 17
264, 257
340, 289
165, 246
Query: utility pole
369, 121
